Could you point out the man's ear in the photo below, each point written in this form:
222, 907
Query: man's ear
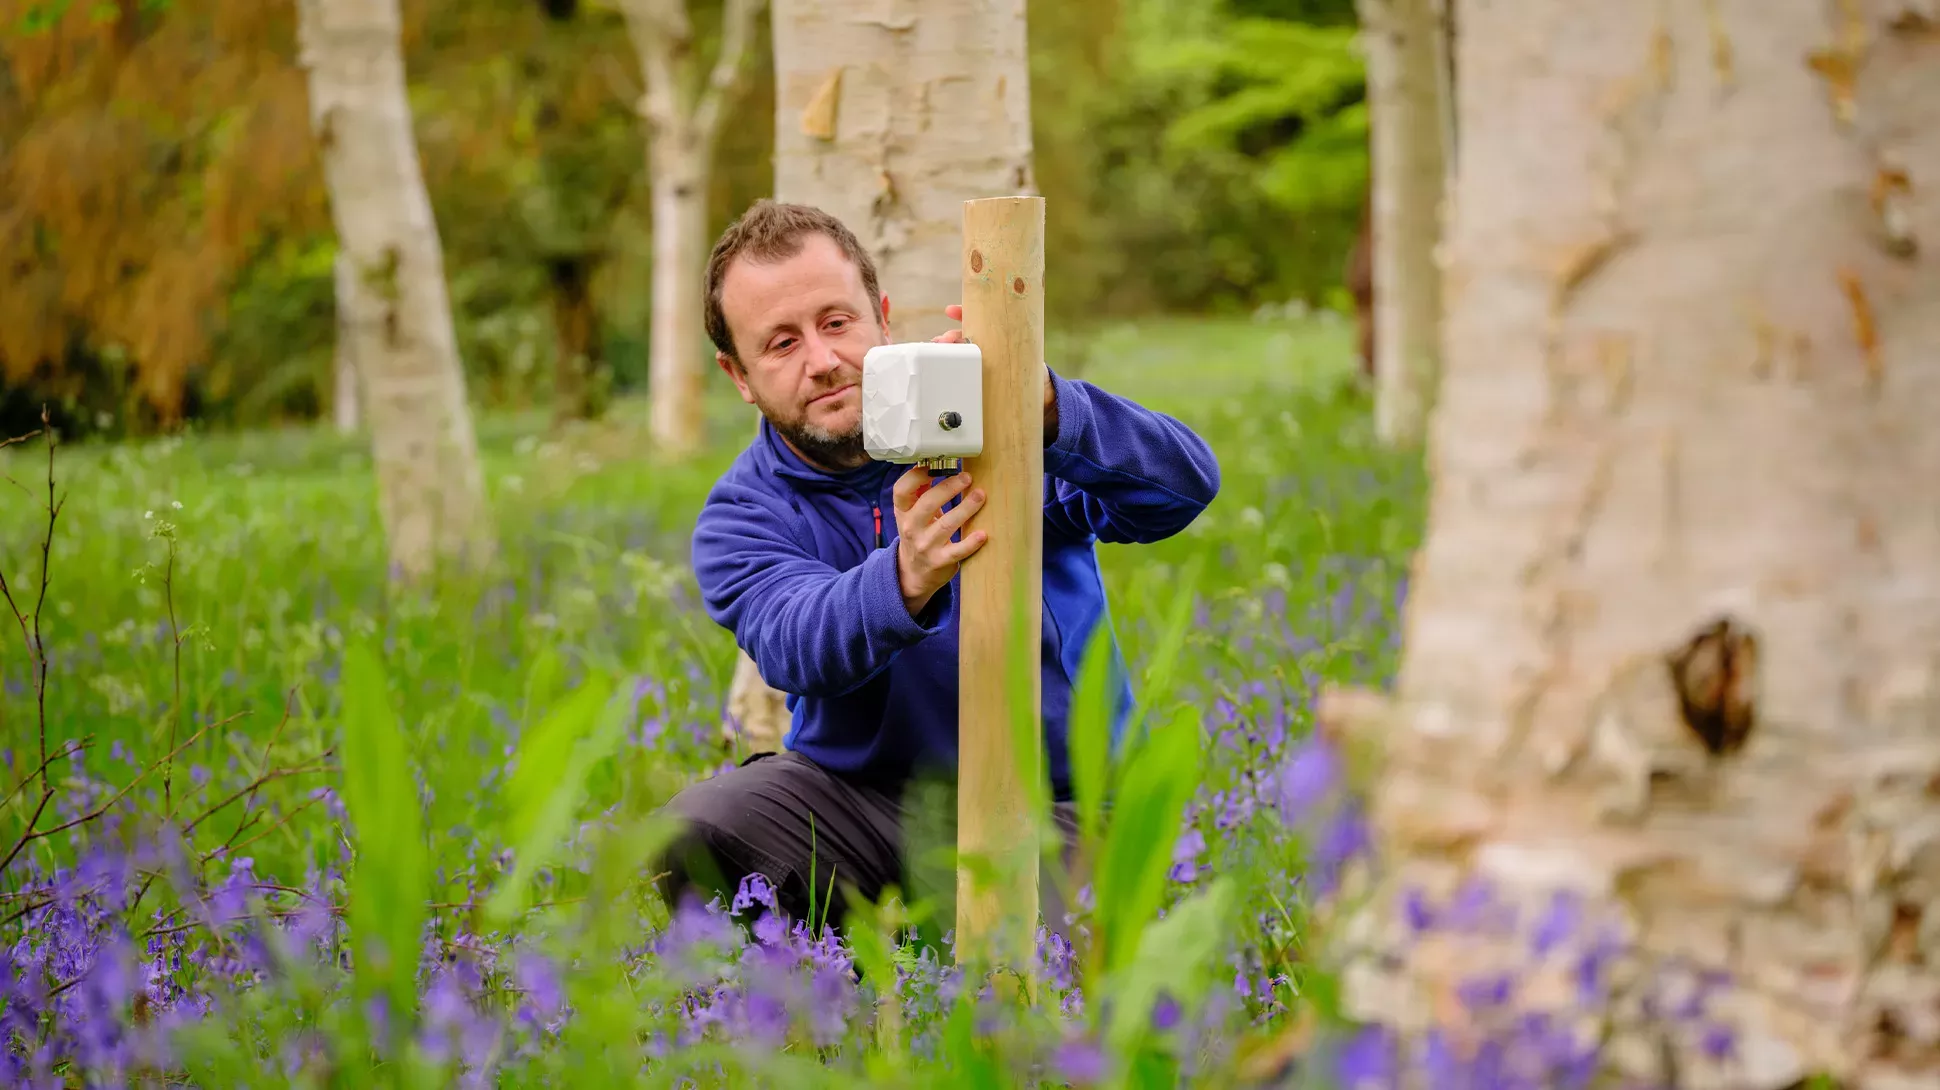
885, 315
722, 360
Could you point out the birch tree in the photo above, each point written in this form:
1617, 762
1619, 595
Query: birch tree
683, 107
1672, 648
889, 115
391, 295
1402, 41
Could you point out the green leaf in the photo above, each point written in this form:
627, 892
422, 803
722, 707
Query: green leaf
542, 683
1158, 781
1173, 955
1090, 735
387, 903
967, 1053
548, 782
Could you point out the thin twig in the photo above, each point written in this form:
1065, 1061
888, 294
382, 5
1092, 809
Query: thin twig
33, 834
46, 544
273, 774
29, 910
45, 798
268, 748
68, 751
277, 824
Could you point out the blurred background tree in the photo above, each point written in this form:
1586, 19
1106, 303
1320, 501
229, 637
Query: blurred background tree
166, 253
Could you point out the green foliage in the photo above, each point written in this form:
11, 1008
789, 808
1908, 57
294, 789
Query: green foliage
549, 776
1160, 777
381, 799
1204, 155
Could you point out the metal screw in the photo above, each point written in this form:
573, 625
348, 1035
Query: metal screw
950, 420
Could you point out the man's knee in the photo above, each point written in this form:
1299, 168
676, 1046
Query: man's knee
702, 855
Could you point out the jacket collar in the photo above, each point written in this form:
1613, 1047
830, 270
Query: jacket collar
774, 455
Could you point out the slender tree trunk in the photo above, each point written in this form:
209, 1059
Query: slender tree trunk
1403, 43
395, 306
889, 116
346, 401
1673, 644
684, 119
1360, 282
575, 336
677, 342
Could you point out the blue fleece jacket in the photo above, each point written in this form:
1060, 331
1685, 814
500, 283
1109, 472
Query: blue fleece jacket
790, 559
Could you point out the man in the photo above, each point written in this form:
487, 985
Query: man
836, 573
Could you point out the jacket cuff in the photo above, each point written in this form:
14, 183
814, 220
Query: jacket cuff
882, 601
1074, 421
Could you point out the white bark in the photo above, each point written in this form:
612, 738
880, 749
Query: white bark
395, 308
1405, 63
1690, 374
683, 118
889, 114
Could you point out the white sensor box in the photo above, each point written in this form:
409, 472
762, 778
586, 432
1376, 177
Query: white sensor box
922, 402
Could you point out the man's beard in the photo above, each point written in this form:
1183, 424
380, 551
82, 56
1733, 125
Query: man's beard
823, 447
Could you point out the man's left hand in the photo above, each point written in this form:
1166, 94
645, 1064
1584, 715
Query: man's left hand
955, 336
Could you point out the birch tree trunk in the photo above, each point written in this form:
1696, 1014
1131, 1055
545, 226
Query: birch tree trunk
683, 118
1403, 43
396, 313
1673, 641
889, 114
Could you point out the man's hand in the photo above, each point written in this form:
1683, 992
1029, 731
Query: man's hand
926, 558
955, 336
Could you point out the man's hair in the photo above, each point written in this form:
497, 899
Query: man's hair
772, 231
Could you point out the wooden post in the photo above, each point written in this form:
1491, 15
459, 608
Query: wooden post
1000, 757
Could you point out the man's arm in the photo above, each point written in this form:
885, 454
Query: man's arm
813, 630
1121, 471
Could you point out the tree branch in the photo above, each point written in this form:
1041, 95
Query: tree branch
259, 781
737, 28
64, 752
31, 834
664, 38
30, 624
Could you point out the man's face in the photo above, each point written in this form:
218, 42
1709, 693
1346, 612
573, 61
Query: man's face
801, 327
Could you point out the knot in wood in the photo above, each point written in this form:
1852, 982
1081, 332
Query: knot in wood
976, 261
1715, 674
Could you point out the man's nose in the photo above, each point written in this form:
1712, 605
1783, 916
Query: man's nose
821, 357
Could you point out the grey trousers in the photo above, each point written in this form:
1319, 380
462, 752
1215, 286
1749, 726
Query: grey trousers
805, 828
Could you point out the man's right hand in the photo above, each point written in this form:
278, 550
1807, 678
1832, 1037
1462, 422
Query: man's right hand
926, 558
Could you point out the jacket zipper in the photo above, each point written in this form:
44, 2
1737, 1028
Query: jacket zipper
876, 510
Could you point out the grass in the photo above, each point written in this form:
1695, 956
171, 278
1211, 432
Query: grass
254, 564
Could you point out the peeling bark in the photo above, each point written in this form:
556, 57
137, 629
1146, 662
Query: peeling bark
1403, 42
1688, 396
683, 116
395, 309
889, 115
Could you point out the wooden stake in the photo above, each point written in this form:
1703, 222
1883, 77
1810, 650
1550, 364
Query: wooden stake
999, 732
